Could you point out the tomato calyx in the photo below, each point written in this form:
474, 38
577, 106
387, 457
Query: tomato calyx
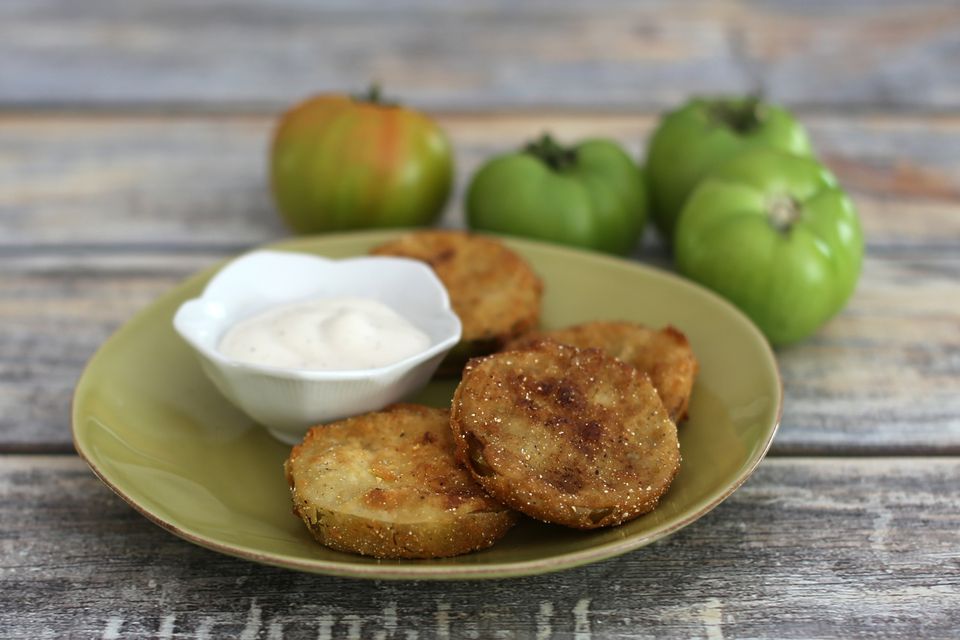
374, 95
552, 153
783, 211
741, 116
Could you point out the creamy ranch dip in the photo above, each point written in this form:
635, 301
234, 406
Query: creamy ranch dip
325, 335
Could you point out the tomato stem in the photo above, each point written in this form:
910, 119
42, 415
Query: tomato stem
783, 212
374, 95
743, 116
555, 155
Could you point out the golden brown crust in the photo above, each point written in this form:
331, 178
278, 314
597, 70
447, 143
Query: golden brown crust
386, 484
565, 435
494, 292
664, 355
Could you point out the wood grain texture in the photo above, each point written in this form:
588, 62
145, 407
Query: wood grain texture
55, 313
832, 548
882, 377
201, 180
612, 54
133, 141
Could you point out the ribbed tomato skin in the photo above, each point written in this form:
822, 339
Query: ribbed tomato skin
339, 163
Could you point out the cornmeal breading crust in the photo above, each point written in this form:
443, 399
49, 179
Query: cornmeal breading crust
569, 436
386, 484
665, 355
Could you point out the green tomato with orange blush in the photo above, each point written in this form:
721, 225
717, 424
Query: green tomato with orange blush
344, 162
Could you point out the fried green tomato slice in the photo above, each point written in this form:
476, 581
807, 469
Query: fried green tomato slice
665, 355
494, 291
569, 436
387, 485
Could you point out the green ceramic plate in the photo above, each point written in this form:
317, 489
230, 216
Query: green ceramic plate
155, 430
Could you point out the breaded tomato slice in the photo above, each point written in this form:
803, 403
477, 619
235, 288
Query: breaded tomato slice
386, 484
665, 355
493, 290
569, 436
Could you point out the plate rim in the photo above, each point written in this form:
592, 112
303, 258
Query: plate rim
402, 571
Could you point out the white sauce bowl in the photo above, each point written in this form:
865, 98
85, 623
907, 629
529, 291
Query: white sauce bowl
287, 401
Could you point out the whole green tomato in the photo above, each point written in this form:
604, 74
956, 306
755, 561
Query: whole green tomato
693, 139
590, 195
774, 234
340, 162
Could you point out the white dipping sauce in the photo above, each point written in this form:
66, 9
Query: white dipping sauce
325, 334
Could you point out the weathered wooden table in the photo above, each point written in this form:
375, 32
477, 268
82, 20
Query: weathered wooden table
132, 152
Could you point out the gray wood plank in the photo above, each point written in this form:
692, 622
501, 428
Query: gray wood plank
201, 180
612, 54
825, 548
882, 377
55, 312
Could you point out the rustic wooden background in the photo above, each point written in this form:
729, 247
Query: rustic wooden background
132, 152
